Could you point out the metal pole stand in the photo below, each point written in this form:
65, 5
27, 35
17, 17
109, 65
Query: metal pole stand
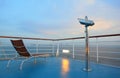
87, 23
87, 67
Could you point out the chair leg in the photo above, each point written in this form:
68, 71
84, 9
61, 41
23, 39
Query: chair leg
21, 65
8, 63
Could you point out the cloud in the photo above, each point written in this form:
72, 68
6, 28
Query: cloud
68, 29
102, 25
90, 1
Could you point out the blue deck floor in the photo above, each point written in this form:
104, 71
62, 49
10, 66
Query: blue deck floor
56, 68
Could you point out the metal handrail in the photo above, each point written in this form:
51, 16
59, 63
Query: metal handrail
98, 36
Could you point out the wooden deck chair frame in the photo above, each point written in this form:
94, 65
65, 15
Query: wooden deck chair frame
22, 51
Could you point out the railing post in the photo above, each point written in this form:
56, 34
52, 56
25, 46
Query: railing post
97, 49
57, 53
53, 48
73, 50
37, 47
4, 54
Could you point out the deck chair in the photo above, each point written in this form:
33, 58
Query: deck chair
22, 51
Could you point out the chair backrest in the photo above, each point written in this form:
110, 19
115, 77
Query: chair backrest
20, 48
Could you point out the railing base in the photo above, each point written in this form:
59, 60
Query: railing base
88, 70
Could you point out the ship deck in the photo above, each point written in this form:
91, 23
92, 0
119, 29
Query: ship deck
56, 67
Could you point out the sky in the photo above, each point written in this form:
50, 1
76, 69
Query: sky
58, 18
